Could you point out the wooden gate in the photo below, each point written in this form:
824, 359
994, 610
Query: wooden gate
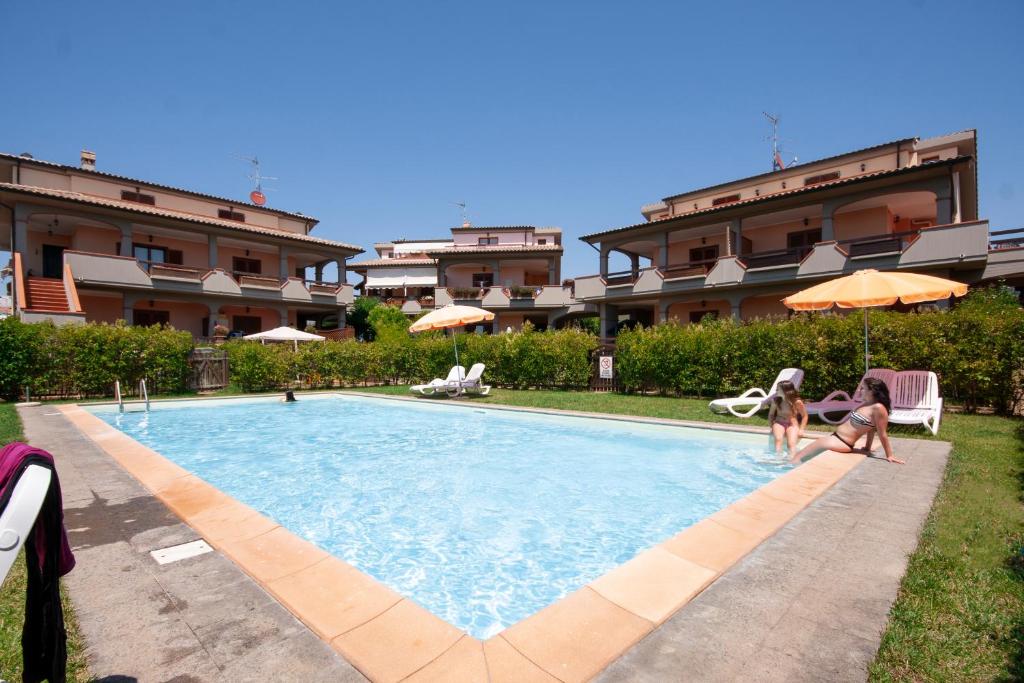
605, 351
209, 369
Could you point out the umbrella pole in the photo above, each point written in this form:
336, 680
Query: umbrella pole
455, 343
866, 363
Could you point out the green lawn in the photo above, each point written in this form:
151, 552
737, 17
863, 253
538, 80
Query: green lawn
12, 595
960, 612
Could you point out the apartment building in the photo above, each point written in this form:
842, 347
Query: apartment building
100, 247
513, 271
736, 249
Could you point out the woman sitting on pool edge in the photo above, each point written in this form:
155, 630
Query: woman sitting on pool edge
869, 417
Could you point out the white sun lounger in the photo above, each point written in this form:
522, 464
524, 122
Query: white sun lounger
19, 516
841, 402
437, 384
753, 400
472, 384
915, 399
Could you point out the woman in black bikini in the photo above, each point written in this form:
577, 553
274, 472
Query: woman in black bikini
869, 417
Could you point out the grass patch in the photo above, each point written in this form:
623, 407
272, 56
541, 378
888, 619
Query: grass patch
12, 595
960, 610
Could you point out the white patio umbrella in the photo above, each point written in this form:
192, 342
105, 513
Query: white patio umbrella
285, 334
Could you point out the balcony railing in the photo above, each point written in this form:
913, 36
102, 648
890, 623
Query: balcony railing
775, 258
1004, 242
125, 271
875, 245
172, 270
688, 269
621, 277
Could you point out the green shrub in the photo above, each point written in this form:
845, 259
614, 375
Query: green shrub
260, 367
976, 349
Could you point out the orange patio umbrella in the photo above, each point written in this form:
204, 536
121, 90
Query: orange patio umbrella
448, 317
866, 288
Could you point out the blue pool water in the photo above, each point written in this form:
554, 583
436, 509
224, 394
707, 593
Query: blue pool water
482, 516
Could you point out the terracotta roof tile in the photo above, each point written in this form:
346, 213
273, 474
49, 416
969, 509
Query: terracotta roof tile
145, 209
392, 262
777, 195
147, 183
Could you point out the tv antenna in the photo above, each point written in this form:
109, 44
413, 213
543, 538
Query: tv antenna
465, 216
257, 196
777, 163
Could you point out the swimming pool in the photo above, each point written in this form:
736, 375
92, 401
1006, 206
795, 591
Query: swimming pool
482, 516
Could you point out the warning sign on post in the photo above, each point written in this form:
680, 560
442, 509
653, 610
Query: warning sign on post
605, 364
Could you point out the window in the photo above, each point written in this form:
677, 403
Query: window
804, 240
723, 200
147, 317
542, 240
247, 324
934, 157
231, 215
486, 241
821, 178
246, 266
148, 255
704, 254
483, 279
136, 196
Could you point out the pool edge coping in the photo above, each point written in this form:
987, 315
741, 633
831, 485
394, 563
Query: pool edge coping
388, 636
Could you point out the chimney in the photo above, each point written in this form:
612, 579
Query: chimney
467, 224
88, 160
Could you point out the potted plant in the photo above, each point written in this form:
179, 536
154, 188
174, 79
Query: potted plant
220, 332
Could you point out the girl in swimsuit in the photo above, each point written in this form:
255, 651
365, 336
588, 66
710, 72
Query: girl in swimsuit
787, 417
869, 417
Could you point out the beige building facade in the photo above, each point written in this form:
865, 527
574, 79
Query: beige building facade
99, 247
738, 248
513, 271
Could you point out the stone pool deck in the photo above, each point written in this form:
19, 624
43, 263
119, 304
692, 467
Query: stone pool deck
205, 619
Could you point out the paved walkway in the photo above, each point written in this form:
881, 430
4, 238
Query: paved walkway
810, 603
199, 619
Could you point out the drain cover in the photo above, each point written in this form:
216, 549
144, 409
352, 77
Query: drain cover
180, 552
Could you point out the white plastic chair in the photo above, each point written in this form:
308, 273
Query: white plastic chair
19, 516
433, 386
753, 400
915, 399
841, 402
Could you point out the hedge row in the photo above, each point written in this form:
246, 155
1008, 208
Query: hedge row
520, 359
86, 360
977, 350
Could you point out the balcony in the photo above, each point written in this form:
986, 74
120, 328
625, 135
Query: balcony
939, 245
513, 297
127, 273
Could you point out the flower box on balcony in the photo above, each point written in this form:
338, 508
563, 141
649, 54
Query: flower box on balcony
521, 292
465, 292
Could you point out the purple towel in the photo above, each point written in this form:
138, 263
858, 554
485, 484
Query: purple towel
14, 458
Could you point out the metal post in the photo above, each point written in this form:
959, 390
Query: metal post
866, 356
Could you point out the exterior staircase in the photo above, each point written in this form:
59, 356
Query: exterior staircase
46, 294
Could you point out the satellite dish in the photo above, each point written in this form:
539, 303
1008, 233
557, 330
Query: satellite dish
258, 198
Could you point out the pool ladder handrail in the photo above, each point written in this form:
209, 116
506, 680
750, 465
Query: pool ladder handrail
143, 393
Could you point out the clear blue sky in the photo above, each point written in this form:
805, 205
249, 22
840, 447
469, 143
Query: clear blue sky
376, 116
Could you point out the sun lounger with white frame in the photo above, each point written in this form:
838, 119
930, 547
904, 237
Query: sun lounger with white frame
440, 385
842, 403
753, 400
472, 384
19, 516
915, 399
